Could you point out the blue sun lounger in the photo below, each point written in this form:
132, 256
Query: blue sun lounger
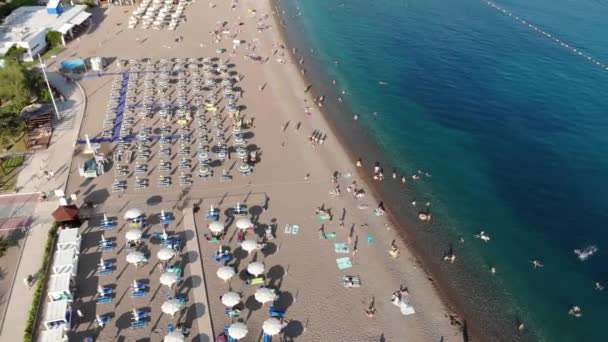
138, 286
106, 246
230, 339
105, 291
107, 264
138, 293
102, 300
267, 338
141, 314
138, 324
104, 272
276, 313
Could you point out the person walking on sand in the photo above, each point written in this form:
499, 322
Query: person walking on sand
371, 310
359, 162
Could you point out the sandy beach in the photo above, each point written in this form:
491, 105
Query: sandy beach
292, 179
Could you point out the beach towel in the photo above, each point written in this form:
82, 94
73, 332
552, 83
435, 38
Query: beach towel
295, 229
351, 281
323, 217
370, 239
329, 236
341, 248
256, 281
288, 229
344, 263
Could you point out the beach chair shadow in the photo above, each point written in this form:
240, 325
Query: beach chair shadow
252, 305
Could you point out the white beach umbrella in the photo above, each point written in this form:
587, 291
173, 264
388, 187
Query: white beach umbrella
255, 268
243, 223
231, 299
169, 278
216, 227
264, 295
237, 330
133, 213
135, 257
172, 306
249, 245
225, 272
165, 254
174, 336
133, 235
272, 326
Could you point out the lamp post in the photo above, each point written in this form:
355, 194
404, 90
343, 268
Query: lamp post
42, 66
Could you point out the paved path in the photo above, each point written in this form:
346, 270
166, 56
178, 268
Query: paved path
56, 159
196, 269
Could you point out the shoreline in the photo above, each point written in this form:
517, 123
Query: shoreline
440, 279
308, 270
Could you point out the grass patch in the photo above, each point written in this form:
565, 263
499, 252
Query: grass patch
50, 52
17, 147
9, 169
30, 327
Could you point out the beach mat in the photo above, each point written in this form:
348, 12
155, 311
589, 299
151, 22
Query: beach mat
329, 236
344, 263
341, 248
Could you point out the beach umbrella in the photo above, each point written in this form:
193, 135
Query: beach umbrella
133, 214
172, 306
135, 257
272, 326
169, 278
231, 299
225, 272
216, 227
174, 336
243, 223
244, 167
255, 268
165, 254
249, 245
237, 330
133, 235
264, 295
204, 170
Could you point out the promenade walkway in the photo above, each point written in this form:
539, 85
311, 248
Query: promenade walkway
57, 160
194, 260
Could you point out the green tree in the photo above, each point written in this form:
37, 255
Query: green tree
15, 52
5, 244
53, 38
18, 88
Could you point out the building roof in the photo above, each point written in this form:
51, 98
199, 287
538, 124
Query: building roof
55, 311
59, 283
66, 213
24, 22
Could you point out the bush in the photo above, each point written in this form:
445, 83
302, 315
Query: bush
40, 283
53, 38
15, 52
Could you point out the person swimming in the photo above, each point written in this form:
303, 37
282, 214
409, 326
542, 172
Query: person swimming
483, 236
575, 311
536, 263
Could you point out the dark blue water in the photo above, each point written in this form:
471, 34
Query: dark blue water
512, 126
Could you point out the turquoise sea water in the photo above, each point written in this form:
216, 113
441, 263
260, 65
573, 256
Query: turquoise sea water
512, 126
